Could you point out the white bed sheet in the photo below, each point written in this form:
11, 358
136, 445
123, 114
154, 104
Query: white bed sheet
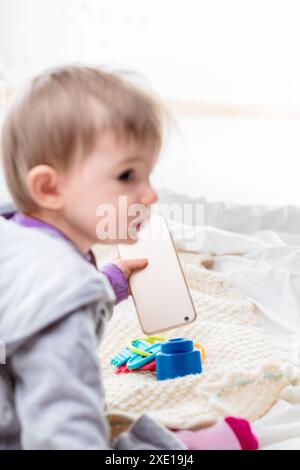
258, 250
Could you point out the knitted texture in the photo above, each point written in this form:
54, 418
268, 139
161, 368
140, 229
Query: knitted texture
244, 371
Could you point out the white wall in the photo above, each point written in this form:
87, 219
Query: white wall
233, 51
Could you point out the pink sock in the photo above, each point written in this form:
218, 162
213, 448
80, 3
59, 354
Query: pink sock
228, 434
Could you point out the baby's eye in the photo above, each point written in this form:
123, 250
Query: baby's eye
126, 175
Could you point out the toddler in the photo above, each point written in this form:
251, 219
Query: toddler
73, 142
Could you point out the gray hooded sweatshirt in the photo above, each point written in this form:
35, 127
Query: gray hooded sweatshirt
53, 310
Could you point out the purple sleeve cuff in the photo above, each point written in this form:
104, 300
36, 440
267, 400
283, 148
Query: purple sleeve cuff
118, 281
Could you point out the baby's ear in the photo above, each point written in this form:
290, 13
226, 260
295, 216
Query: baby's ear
44, 188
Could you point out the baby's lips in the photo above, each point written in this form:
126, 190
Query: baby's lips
143, 221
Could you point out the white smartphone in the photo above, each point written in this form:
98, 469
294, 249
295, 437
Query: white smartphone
160, 292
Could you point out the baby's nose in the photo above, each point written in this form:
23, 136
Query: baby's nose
149, 198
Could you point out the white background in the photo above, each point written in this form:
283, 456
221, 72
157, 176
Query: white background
236, 52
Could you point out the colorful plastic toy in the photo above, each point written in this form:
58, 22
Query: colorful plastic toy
202, 350
151, 366
142, 353
136, 347
177, 358
139, 361
121, 358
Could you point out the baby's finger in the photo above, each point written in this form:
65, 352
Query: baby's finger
138, 263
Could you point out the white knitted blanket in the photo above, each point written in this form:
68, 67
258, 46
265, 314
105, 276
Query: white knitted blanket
244, 372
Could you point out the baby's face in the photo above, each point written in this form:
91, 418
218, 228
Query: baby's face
92, 191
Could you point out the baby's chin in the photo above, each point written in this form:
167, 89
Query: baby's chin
130, 240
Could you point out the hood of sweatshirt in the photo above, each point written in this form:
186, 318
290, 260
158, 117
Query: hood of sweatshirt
42, 279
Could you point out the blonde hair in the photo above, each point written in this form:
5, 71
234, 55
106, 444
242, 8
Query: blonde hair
59, 114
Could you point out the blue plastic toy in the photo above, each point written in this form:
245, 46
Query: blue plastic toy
126, 353
121, 358
139, 352
135, 361
177, 358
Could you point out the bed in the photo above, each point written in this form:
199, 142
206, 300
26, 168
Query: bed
257, 248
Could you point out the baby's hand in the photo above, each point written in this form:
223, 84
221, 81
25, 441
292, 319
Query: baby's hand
127, 266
